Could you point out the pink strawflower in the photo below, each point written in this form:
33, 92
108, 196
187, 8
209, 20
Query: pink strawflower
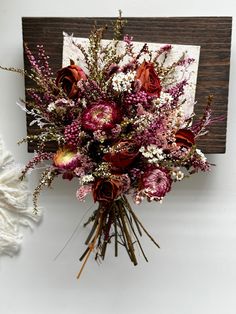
154, 185
102, 115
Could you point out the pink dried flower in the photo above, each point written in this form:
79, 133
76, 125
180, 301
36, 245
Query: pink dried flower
83, 191
200, 165
163, 49
199, 162
124, 178
71, 134
40, 156
79, 171
102, 115
139, 98
154, 184
177, 91
185, 62
43, 62
99, 135
33, 61
128, 39
116, 131
199, 128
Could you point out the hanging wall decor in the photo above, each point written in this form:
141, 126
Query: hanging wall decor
125, 108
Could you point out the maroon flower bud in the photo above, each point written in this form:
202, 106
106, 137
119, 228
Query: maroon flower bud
122, 154
68, 78
149, 79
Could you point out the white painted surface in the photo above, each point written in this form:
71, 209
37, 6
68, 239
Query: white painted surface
71, 52
194, 272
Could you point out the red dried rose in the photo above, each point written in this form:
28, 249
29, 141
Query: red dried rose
102, 115
184, 138
122, 154
68, 78
149, 79
107, 190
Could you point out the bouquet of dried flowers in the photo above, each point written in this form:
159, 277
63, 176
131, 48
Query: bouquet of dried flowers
120, 130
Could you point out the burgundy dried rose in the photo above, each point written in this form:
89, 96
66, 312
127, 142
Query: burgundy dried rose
154, 184
107, 190
148, 79
68, 78
184, 138
122, 154
102, 115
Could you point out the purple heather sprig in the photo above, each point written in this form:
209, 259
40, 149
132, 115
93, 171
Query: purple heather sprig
164, 49
37, 159
177, 91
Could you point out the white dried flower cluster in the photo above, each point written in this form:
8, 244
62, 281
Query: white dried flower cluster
177, 174
60, 102
201, 155
139, 198
152, 153
51, 107
122, 82
100, 135
87, 179
165, 98
83, 102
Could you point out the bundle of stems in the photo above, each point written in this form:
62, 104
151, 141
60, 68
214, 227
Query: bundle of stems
118, 221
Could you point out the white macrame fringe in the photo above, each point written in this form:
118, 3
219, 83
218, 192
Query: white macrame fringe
14, 209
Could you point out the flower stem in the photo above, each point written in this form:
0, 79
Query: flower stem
139, 222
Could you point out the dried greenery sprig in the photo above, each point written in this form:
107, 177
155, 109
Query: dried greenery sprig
118, 27
46, 180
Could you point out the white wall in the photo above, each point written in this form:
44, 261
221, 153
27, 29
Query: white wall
194, 271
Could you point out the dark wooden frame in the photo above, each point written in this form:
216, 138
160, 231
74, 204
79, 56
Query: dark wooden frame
213, 34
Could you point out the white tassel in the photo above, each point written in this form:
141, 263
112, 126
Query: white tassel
14, 210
